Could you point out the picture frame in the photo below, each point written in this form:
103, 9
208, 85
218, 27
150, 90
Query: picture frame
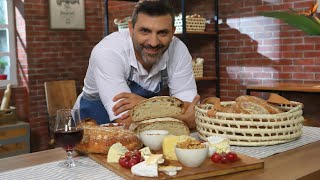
67, 14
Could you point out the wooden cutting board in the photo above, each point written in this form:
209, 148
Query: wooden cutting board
207, 169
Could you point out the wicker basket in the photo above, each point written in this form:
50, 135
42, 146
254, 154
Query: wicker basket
8, 116
192, 24
122, 26
197, 70
251, 129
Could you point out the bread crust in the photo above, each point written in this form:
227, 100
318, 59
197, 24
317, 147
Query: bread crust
157, 107
98, 139
174, 126
252, 105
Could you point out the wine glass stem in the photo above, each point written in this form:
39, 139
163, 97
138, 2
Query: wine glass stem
69, 160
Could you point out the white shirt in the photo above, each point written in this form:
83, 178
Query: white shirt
112, 58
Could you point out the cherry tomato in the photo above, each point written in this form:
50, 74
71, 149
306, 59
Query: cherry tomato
132, 162
216, 158
128, 155
232, 157
135, 157
123, 161
137, 153
224, 160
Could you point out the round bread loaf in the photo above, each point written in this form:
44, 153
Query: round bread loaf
174, 126
98, 139
157, 107
254, 105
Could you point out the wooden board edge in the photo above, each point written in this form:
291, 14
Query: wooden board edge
222, 172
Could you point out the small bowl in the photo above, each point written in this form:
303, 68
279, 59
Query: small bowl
192, 157
153, 138
112, 125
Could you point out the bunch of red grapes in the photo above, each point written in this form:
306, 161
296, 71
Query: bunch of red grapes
224, 158
130, 159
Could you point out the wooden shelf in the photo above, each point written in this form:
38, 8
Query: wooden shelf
205, 78
197, 33
126, 0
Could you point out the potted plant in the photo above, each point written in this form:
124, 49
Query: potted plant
308, 21
3, 65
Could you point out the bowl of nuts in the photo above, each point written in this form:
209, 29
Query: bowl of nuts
191, 153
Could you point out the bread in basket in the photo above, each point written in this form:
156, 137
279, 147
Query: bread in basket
250, 129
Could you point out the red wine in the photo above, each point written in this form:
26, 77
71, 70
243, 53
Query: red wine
68, 139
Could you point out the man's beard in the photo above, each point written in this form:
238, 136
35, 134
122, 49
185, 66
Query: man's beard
151, 59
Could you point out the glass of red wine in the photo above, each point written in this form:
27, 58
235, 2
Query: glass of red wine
68, 133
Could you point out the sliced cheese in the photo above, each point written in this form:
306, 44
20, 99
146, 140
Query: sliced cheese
169, 170
218, 144
144, 169
155, 159
168, 144
145, 152
115, 152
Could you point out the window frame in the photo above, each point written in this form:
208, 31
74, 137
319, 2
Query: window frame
12, 46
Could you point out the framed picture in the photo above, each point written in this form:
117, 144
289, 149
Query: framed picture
67, 14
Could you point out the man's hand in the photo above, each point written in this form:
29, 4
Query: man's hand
128, 100
126, 121
189, 114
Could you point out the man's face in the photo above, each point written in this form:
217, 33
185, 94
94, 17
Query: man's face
151, 37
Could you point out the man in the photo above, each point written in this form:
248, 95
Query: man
127, 67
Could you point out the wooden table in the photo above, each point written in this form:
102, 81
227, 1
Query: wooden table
302, 162
282, 87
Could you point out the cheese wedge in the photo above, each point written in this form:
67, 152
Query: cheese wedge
145, 152
218, 144
144, 169
155, 159
115, 152
169, 170
168, 144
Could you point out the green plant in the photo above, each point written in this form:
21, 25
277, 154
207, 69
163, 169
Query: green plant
3, 65
307, 21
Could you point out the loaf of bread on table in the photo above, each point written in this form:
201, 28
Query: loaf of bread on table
252, 105
174, 126
157, 107
98, 139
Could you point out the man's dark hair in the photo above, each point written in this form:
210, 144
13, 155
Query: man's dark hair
152, 8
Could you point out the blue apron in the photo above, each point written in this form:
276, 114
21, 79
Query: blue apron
92, 107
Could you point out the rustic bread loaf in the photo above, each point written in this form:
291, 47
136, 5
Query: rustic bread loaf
174, 126
157, 107
98, 139
254, 105
277, 99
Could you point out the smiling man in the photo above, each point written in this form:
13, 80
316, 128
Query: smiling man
128, 66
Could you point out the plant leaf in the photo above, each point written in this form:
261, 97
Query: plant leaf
299, 21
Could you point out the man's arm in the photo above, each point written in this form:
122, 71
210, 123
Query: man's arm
189, 113
126, 101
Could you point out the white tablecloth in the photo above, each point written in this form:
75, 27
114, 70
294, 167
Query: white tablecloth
92, 170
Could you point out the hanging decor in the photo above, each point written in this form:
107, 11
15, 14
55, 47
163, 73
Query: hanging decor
67, 14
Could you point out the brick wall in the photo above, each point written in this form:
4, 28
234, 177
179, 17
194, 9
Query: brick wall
47, 55
253, 50
258, 50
